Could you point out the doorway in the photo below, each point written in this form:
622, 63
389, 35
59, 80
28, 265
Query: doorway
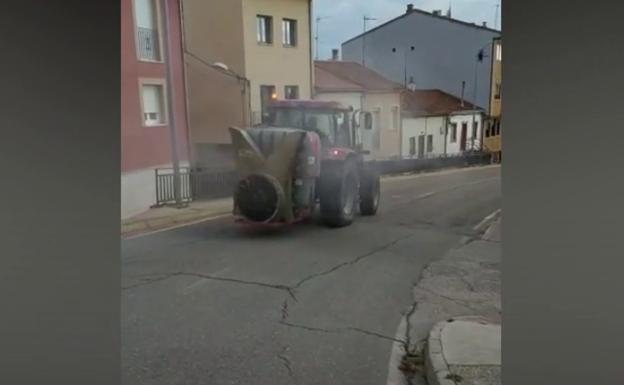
463, 136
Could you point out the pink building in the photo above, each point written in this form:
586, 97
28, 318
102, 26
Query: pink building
145, 131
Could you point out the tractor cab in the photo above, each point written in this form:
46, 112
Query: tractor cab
336, 125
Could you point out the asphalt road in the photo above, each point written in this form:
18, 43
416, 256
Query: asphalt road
213, 304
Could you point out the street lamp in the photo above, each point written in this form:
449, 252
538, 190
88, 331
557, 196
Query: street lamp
246, 85
480, 56
316, 37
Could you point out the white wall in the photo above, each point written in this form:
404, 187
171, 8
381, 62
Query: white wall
414, 127
138, 190
383, 140
453, 147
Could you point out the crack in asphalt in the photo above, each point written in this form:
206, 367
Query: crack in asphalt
285, 309
351, 262
286, 361
162, 277
341, 330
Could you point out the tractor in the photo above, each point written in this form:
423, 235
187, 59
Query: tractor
306, 153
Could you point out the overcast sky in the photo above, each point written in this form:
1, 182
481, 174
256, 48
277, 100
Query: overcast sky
344, 17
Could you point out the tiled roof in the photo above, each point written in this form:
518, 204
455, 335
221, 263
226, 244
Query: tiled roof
337, 75
432, 102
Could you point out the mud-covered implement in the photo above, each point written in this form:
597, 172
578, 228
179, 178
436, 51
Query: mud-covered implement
308, 153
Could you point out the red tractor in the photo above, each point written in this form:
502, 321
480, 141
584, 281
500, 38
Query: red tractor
307, 152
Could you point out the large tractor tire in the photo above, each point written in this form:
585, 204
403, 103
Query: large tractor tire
339, 190
370, 191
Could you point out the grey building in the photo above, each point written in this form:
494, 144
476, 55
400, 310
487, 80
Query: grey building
430, 50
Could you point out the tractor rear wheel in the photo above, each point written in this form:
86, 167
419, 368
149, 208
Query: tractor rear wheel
339, 190
369, 191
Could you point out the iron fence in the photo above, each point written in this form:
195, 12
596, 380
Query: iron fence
211, 184
203, 183
165, 190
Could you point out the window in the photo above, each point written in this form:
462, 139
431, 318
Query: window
499, 52
289, 32
267, 93
429, 143
487, 129
291, 92
265, 29
475, 128
148, 38
395, 118
412, 146
497, 92
153, 104
453, 132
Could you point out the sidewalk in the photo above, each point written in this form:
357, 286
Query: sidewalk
464, 287
165, 217
466, 350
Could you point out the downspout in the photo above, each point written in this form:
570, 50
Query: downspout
310, 17
190, 148
400, 112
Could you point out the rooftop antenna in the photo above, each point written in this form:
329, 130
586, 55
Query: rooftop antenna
366, 19
496, 15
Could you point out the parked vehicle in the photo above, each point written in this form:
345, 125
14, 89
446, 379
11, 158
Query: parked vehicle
308, 153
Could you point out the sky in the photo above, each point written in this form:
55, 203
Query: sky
342, 19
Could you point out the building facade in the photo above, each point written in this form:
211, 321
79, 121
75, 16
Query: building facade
363, 89
493, 138
436, 123
145, 120
264, 47
432, 50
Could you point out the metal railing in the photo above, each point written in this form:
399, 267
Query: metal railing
212, 184
165, 192
149, 45
203, 183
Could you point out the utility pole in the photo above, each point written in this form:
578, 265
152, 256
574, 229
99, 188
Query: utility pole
366, 19
170, 108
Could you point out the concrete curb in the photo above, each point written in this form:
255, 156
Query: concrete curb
436, 368
138, 227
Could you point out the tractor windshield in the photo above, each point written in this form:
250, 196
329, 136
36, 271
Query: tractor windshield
324, 122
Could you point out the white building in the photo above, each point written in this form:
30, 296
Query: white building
356, 86
436, 123
465, 131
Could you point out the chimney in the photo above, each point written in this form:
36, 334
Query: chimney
485, 23
410, 8
437, 12
334, 54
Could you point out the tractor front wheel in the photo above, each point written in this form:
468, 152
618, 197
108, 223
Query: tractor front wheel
339, 190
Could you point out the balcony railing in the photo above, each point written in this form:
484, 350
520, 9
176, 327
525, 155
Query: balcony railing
149, 46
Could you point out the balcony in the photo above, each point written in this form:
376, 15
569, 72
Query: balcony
149, 45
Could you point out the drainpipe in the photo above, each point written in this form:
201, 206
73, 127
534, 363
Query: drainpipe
170, 107
312, 88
